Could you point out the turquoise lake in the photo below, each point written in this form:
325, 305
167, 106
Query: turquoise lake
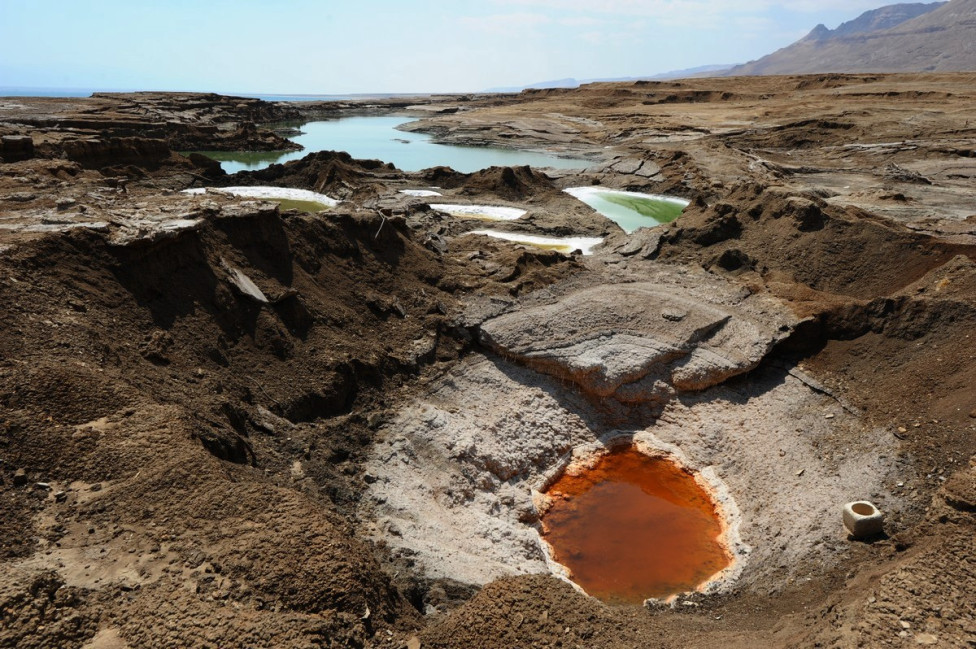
376, 138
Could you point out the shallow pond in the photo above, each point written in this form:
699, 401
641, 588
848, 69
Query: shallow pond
482, 212
631, 210
287, 198
634, 527
376, 138
564, 245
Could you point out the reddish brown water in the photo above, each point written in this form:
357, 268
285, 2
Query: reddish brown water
634, 527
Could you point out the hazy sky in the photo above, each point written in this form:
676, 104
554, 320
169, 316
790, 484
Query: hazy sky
333, 47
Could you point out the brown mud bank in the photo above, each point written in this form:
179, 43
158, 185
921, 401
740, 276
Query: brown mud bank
187, 409
224, 423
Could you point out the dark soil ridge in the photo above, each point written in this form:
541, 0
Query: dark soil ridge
141, 382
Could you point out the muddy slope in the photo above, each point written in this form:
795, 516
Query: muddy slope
177, 447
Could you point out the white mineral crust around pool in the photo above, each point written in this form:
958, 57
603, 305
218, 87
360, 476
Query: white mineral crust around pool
583, 193
584, 244
585, 457
451, 477
423, 193
283, 193
487, 212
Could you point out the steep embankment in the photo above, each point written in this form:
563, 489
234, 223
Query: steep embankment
183, 410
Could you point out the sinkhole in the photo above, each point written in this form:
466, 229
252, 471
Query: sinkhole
631, 210
626, 526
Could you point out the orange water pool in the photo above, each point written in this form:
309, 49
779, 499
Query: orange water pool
634, 527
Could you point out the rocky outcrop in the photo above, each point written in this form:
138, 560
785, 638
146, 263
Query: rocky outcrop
186, 121
15, 148
509, 183
329, 172
93, 154
639, 342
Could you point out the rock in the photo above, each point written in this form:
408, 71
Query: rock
377, 419
65, 203
270, 422
435, 243
195, 559
20, 478
627, 165
155, 348
60, 497
14, 148
225, 445
398, 308
619, 340
115, 151
21, 197
648, 169
926, 639
245, 285
959, 490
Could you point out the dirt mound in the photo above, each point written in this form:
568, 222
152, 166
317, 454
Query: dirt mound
534, 610
509, 183
335, 173
805, 240
506, 183
882, 303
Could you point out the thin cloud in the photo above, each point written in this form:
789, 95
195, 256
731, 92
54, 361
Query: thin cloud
582, 21
705, 14
656, 8
505, 23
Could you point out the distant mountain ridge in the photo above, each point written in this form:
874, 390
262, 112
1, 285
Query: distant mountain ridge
879, 19
914, 37
906, 37
703, 70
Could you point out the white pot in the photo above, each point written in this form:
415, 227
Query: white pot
862, 519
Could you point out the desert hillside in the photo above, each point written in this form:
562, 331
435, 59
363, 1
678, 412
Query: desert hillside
897, 38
